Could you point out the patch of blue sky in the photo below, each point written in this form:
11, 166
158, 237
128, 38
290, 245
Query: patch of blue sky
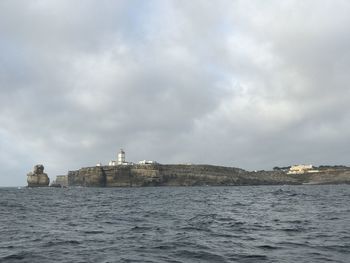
136, 18
14, 61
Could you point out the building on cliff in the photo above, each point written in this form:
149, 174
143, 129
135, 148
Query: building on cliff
120, 159
301, 169
112, 163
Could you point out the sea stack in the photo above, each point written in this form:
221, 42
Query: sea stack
37, 178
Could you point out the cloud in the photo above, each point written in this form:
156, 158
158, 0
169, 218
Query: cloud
236, 83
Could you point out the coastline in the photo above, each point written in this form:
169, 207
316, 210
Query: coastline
196, 175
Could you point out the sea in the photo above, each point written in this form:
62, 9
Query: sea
305, 223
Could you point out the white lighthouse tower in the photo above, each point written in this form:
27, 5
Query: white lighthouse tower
121, 157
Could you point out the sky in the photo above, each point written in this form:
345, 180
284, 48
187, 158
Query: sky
250, 84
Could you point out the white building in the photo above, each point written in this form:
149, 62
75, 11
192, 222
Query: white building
121, 157
301, 169
112, 163
120, 160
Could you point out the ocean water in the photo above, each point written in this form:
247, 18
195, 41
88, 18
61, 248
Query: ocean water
176, 224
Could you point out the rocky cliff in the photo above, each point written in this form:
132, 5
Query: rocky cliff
192, 175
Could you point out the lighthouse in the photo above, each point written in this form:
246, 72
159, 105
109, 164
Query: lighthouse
121, 157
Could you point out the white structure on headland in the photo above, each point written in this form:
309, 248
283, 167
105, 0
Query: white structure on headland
301, 169
112, 163
121, 157
121, 160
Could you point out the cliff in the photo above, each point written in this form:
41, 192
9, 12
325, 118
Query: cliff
61, 181
193, 175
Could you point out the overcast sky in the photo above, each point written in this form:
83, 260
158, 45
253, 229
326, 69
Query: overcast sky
250, 84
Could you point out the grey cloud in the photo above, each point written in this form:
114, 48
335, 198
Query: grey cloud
239, 83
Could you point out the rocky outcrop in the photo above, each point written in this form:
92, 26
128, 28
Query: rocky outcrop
37, 178
196, 175
329, 176
62, 180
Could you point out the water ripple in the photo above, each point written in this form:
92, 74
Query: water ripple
194, 224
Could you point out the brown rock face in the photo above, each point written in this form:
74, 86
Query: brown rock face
37, 178
195, 175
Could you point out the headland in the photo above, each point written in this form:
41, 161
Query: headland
120, 173
198, 175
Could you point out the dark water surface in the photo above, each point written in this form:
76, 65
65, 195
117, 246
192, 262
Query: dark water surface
165, 224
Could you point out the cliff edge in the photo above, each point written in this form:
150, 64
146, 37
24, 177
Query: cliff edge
195, 175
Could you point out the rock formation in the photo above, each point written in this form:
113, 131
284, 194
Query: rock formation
196, 175
172, 175
37, 178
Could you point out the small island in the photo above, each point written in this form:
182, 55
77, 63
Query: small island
37, 178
